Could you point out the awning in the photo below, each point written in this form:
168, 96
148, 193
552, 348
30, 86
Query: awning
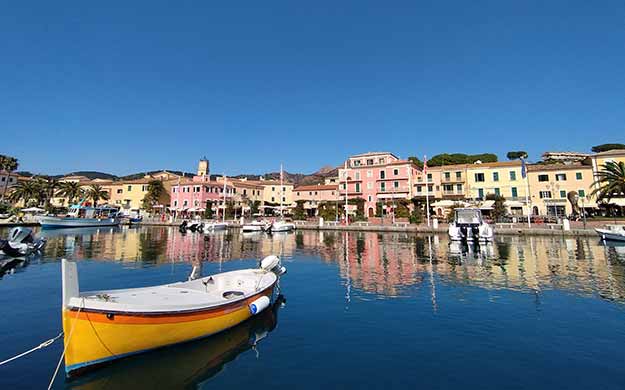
448, 203
513, 203
33, 210
486, 205
617, 202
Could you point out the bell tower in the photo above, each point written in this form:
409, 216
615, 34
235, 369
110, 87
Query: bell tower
202, 167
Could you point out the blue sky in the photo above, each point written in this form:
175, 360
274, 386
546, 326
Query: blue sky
121, 87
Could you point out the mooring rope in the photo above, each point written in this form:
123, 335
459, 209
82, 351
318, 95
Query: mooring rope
56, 371
40, 346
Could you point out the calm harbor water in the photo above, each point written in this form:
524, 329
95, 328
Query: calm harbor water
362, 310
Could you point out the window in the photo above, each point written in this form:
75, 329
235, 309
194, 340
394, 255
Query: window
143, 188
480, 193
396, 184
395, 172
129, 188
356, 163
578, 175
560, 176
283, 189
479, 177
283, 199
316, 193
448, 187
369, 198
273, 189
173, 189
273, 199
581, 193
447, 175
497, 192
458, 175
543, 177
357, 175
344, 186
382, 174
120, 190
357, 187
545, 194
175, 203
369, 185
382, 187
369, 161
419, 188
185, 203
515, 194
381, 160
430, 188
459, 188
298, 193
562, 194
495, 176
429, 177
369, 173
512, 175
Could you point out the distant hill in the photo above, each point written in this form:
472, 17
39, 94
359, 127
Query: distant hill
89, 174
140, 175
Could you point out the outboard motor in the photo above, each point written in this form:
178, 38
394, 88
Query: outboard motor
183, 227
22, 242
273, 264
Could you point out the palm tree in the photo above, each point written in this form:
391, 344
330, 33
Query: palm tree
49, 189
70, 190
96, 192
24, 190
610, 181
8, 164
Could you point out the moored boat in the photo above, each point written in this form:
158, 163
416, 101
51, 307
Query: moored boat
613, 233
468, 225
21, 243
281, 226
82, 216
213, 226
255, 226
101, 326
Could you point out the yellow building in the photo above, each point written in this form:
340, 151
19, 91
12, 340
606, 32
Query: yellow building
276, 194
499, 178
129, 195
551, 183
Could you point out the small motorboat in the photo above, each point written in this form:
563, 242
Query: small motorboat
281, 226
468, 225
612, 233
21, 243
213, 226
255, 226
82, 216
101, 326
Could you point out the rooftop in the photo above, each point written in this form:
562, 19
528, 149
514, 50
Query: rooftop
317, 187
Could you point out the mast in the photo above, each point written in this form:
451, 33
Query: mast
281, 192
427, 189
224, 211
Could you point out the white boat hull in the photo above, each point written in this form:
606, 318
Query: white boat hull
283, 227
58, 222
607, 234
213, 227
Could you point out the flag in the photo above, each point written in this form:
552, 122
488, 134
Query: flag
523, 169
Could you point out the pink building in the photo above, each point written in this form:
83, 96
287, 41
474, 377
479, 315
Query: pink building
379, 176
191, 195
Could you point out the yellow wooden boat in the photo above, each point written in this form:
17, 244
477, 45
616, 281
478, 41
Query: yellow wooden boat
101, 326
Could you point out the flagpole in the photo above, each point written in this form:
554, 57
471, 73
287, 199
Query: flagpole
527, 192
346, 192
427, 189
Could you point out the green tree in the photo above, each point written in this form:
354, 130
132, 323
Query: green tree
515, 155
378, 209
208, 211
416, 161
360, 208
299, 213
97, 193
499, 210
229, 209
153, 195
327, 210
610, 181
401, 208
70, 190
255, 207
8, 164
606, 147
460, 158
418, 211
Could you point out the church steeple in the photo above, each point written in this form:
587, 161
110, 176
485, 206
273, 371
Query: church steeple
202, 167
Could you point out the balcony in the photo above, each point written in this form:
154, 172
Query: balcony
453, 193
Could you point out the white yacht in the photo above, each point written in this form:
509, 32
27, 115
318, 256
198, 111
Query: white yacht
468, 225
613, 233
255, 226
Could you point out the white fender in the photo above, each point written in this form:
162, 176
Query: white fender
259, 305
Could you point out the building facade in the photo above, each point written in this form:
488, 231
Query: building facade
377, 177
313, 195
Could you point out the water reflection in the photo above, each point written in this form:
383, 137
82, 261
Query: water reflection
184, 366
382, 264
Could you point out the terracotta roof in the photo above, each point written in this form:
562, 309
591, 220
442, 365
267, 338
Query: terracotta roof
318, 187
557, 167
